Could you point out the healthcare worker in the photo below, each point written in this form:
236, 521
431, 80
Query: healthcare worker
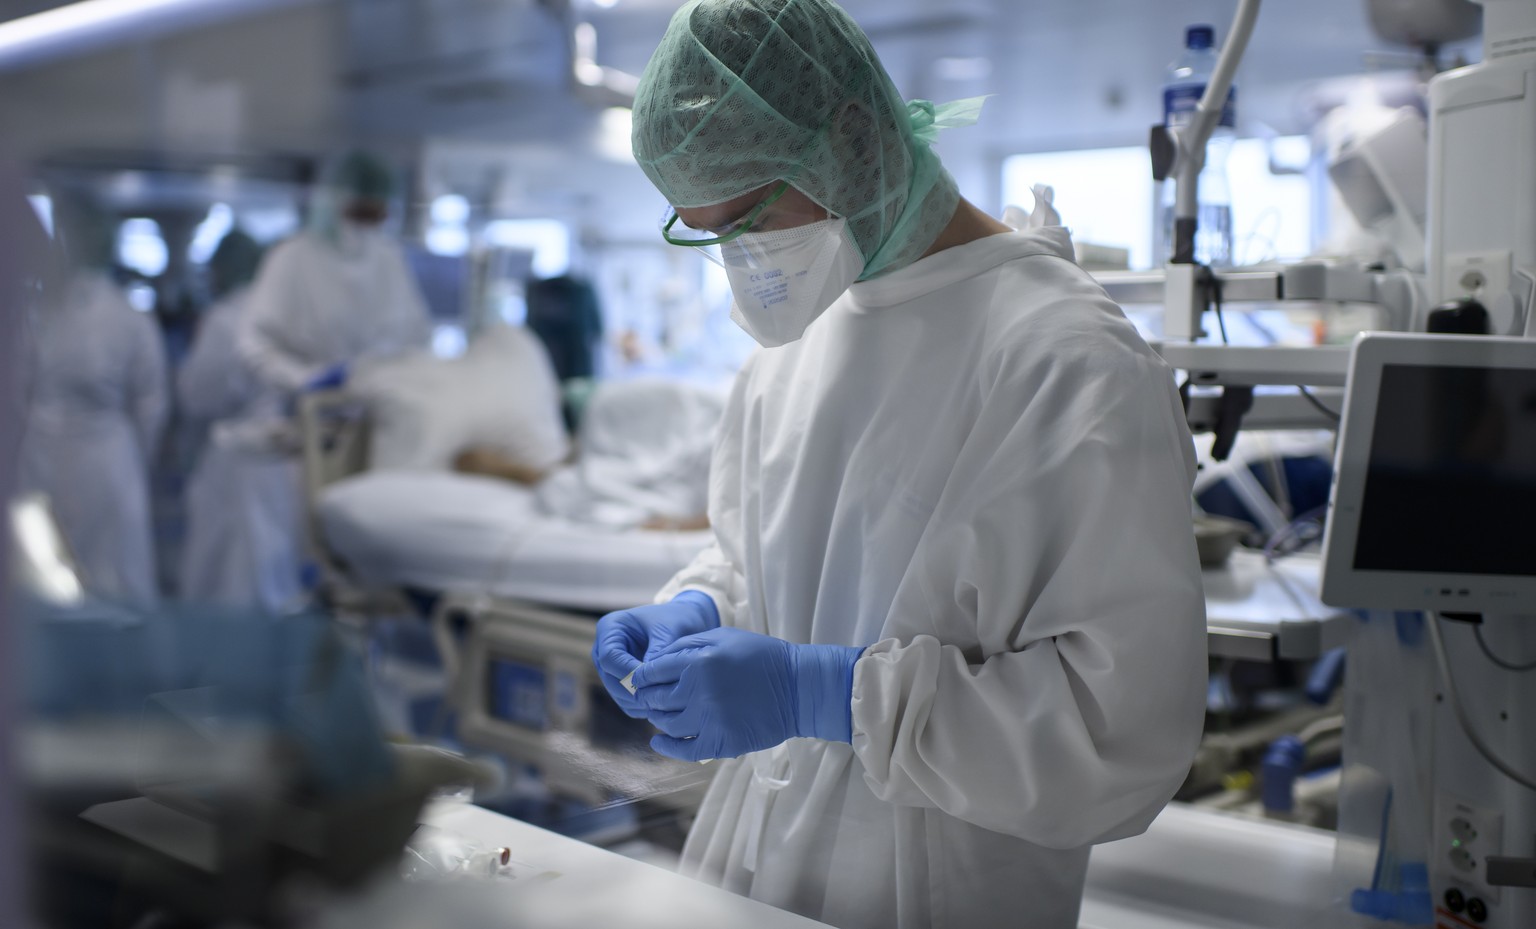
951, 630
98, 402
338, 292
215, 382
244, 528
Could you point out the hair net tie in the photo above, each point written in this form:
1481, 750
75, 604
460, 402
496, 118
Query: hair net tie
929, 117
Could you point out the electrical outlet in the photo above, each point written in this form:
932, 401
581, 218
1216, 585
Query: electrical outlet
1465, 836
1483, 275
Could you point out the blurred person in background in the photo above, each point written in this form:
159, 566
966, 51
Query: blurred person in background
564, 313
214, 381
26, 263
243, 520
97, 405
337, 293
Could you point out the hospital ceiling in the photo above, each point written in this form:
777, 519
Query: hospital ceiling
461, 83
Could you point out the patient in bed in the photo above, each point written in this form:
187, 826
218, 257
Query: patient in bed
492, 462
643, 460
533, 522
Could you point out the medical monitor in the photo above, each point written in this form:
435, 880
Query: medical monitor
1434, 495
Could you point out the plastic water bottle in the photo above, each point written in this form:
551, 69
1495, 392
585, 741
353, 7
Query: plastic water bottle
1185, 85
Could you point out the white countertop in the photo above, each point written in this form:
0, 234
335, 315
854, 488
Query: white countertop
1265, 611
582, 885
1193, 869
1205, 869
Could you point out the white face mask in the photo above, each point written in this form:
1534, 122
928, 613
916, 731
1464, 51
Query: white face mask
783, 280
354, 238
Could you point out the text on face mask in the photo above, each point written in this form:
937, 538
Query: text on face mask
771, 287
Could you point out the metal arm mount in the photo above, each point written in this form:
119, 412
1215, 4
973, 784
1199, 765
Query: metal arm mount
1186, 291
1180, 152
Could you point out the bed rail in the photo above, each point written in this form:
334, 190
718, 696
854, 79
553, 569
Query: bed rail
334, 431
522, 682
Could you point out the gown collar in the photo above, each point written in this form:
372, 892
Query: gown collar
953, 265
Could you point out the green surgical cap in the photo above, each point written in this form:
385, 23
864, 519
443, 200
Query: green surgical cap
742, 93
361, 176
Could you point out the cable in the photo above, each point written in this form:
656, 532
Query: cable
1405, 280
1318, 404
1289, 586
1461, 713
1477, 631
1327, 725
1275, 465
1216, 304
1295, 529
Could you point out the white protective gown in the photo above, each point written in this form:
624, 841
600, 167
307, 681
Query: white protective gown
315, 304
244, 516
97, 409
977, 467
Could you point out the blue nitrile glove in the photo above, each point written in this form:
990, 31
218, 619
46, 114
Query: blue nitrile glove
627, 637
726, 692
330, 378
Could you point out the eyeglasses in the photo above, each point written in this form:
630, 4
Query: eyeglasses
687, 235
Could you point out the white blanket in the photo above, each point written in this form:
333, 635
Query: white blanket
466, 534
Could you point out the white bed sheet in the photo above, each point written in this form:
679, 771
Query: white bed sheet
463, 534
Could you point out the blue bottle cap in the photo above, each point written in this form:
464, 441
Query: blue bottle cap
1200, 37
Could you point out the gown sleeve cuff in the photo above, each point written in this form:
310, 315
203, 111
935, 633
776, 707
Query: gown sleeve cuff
722, 602
877, 680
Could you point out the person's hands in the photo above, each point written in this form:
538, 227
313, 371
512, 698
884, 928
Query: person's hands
726, 692
332, 377
628, 637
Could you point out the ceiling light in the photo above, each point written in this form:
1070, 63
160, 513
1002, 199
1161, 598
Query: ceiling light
450, 210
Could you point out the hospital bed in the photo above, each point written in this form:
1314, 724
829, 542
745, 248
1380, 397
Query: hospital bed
513, 597
525, 590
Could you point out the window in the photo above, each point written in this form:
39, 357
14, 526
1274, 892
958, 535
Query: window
141, 247
548, 239
1106, 196
210, 232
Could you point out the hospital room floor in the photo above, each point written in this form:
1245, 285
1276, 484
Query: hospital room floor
409, 684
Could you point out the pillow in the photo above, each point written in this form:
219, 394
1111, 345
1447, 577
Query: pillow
501, 394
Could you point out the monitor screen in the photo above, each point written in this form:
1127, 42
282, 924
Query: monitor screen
442, 279
1451, 479
516, 692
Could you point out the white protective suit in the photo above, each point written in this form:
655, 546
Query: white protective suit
974, 465
316, 304
97, 408
244, 514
